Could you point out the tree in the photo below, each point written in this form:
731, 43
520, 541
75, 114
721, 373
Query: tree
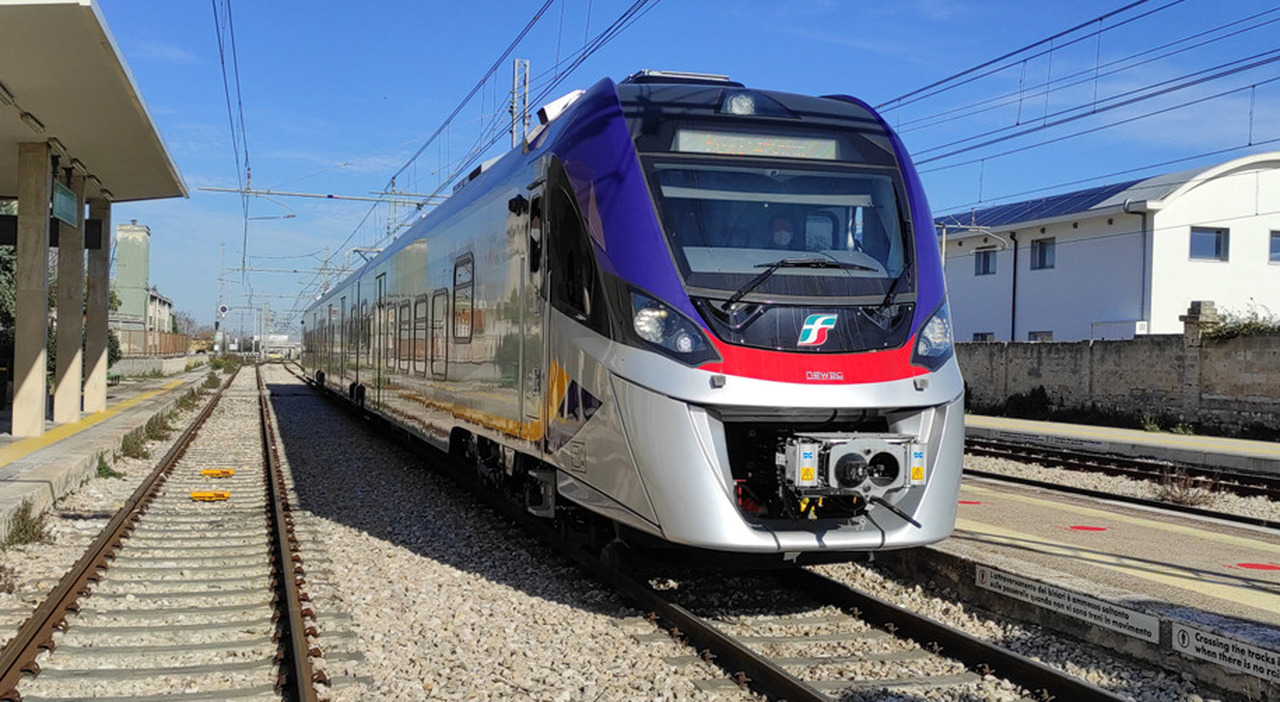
184, 323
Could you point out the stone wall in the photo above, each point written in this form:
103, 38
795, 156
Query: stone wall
1233, 383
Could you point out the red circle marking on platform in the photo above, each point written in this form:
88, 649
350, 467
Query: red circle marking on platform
970, 502
1086, 528
1259, 566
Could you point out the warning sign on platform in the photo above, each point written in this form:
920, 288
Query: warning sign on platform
1092, 610
1227, 652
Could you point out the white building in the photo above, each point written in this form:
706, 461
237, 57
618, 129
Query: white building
1119, 260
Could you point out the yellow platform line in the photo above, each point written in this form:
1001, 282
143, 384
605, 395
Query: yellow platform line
1252, 543
1244, 593
25, 447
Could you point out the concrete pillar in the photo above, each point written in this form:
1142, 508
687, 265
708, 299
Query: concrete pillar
97, 305
1201, 315
68, 371
31, 324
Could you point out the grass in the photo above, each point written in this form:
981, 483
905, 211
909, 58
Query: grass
212, 381
8, 579
134, 445
25, 527
104, 469
189, 400
158, 428
1179, 488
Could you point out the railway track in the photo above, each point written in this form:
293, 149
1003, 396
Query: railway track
191, 590
1153, 471
814, 639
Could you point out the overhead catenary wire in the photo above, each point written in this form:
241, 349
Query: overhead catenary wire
1102, 70
995, 65
492, 132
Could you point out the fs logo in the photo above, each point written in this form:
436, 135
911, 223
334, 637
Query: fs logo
816, 326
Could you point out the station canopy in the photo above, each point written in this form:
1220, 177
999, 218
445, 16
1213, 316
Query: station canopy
62, 78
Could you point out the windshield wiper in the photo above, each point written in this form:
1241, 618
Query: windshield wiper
771, 268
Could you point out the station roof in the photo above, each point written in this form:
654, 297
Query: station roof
62, 77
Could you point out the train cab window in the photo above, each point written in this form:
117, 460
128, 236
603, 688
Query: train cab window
463, 291
420, 335
575, 285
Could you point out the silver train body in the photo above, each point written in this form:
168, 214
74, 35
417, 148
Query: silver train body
611, 321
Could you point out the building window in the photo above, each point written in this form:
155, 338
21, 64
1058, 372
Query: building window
1040, 336
984, 262
1042, 253
1275, 247
984, 336
1209, 244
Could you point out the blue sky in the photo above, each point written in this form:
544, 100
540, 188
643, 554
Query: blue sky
337, 96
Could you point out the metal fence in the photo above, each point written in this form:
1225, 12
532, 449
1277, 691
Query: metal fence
152, 343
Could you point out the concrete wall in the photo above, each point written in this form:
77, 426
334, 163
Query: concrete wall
1233, 383
152, 365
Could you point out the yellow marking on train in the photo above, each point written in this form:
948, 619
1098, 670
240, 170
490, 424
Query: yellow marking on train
1255, 544
210, 495
24, 447
557, 385
1218, 586
218, 472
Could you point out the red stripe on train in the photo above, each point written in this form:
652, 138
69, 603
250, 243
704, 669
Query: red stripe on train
815, 368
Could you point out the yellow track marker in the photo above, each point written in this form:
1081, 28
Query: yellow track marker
218, 472
210, 495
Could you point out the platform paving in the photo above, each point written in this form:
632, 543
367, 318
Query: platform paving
1211, 451
1157, 585
41, 469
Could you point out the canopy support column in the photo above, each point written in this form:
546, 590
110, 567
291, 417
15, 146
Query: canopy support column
31, 323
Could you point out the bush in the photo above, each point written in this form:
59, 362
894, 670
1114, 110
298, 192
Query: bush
134, 445
25, 528
158, 428
1232, 325
212, 381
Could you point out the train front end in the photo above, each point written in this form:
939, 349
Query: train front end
785, 380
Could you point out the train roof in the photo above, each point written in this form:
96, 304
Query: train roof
647, 97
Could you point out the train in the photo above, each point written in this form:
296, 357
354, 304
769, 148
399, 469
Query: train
681, 315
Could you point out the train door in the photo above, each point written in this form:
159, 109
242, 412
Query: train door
379, 340
533, 306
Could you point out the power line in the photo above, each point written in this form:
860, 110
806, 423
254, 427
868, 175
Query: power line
1091, 75
968, 75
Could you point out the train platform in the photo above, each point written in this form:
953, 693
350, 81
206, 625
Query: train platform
1198, 595
39, 470
1261, 457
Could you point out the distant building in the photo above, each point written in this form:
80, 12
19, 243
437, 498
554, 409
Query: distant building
1117, 260
133, 270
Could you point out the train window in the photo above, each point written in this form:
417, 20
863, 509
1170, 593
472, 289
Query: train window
535, 234
439, 345
366, 337
463, 292
389, 336
575, 286
404, 339
420, 335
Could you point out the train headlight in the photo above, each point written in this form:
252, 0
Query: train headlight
934, 344
670, 332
